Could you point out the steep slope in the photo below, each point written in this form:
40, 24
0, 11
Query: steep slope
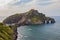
6, 33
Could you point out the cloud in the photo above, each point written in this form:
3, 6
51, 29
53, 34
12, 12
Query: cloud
3, 3
47, 7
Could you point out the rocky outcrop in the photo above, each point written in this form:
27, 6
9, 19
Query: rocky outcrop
30, 17
14, 28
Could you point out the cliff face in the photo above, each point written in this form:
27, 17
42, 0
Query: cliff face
30, 17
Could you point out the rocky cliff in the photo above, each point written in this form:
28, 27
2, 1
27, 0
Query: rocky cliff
30, 17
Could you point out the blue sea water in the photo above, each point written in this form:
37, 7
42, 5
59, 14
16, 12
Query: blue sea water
40, 32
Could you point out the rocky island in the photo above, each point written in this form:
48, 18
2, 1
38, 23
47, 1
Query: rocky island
28, 18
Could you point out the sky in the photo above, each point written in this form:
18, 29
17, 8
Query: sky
47, 7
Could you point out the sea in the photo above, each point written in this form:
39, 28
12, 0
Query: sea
40, 32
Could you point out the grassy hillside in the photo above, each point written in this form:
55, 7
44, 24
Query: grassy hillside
5, 32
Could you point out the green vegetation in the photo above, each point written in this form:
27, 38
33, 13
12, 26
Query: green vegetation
35, 19
5, 32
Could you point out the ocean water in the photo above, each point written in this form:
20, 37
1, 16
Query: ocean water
40, 32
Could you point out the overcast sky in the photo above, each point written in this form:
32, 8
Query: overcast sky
48, 7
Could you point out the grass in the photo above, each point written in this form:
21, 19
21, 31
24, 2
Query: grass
6, 33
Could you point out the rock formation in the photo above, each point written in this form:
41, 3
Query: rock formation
30, 17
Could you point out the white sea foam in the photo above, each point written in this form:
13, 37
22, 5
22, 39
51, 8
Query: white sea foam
20, 36
26, 36
29, 29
